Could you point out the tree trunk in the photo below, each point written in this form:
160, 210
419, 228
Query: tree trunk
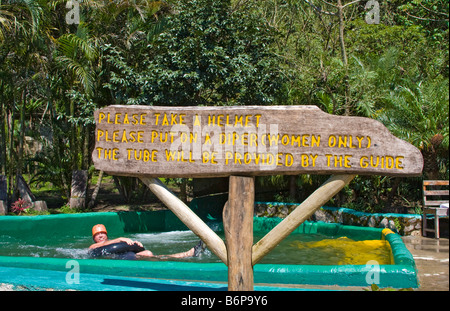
12, 156
344, 56
78, 189
73, 142
391, 194
293, 187
341, 33
96, 190
431, 166
2, 134
56, 145
430, 156
21, 139
183, 190
86, 153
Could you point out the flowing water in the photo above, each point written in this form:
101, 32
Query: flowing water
300, 249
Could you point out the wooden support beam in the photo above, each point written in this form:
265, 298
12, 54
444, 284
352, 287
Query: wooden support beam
302, 212
238, 226
188, 217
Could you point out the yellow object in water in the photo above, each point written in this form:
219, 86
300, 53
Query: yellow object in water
345, 251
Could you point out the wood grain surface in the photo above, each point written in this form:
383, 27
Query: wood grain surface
246, 140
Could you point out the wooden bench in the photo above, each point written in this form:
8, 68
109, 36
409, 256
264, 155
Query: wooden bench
434, 196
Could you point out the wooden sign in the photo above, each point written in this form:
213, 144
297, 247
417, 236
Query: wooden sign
246, 140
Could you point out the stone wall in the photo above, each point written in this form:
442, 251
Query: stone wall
404, 224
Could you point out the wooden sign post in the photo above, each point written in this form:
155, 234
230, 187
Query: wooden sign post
238, 227
242, 142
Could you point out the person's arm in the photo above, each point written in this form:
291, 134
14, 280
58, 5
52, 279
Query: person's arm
126, 240
96, 245
118, 240
109, 242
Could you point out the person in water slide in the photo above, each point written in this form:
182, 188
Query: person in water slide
100, 237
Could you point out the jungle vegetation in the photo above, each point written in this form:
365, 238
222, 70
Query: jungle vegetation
60, 60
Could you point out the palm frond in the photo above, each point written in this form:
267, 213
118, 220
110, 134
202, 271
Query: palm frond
70, 44
6, 22
80, 72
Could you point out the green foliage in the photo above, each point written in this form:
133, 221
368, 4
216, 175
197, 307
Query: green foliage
207, 55
418, 113
76, 54
421, 112
66, 209
368, 193
369, 40
204, 52
52, 165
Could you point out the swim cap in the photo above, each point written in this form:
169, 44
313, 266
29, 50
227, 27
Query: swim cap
97, 229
